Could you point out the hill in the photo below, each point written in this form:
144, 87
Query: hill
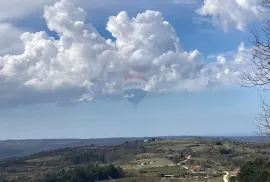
155, 159
10, 148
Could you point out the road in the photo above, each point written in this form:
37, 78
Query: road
225, 177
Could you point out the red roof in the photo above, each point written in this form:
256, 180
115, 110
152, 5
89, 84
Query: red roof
236, 172
194, 167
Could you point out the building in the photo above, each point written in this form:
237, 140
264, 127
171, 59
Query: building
236, 172
195, 169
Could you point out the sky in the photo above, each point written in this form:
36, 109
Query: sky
63, 64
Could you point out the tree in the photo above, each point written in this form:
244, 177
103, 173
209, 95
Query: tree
260, 76
233, 179
225, 151
258, 170
219, 143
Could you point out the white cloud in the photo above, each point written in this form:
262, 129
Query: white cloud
82, 64
12, 10
10, 39
232, 13
221, 59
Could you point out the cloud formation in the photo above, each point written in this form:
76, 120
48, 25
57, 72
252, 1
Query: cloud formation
10, 39
83, 65
232, 13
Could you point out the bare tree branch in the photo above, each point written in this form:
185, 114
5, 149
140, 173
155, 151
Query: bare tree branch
260, 76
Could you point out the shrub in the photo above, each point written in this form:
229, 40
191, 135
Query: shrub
219, 143
225, 151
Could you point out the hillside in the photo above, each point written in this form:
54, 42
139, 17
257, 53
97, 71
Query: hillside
181, 159
10, 148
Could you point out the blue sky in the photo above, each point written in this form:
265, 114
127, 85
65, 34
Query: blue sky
214, 112
224, 109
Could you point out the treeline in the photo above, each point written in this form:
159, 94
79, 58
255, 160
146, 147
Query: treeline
86, 174
106, 155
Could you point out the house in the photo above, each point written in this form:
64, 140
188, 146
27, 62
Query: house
236, 172
195, 169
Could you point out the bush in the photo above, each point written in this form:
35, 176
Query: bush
233, 179
225, 151
161, 175
176, 158
219, 143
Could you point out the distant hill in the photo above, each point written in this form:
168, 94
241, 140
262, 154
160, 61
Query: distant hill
10, 148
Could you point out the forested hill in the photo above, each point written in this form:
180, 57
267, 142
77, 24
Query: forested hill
9, 148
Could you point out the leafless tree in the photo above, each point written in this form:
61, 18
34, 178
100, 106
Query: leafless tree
263, 119
266, 5
260, 76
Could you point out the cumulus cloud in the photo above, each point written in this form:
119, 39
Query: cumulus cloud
83, 65
232, 13
11, 11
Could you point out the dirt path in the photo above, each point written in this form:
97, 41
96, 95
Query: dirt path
185, 167
225, 177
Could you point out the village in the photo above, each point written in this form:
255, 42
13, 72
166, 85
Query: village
189, 168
